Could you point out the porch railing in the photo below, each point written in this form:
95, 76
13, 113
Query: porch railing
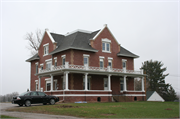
91, 68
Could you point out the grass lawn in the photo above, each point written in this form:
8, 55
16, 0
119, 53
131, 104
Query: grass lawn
4, 116
109, 110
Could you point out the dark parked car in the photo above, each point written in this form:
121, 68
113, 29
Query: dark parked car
33, 97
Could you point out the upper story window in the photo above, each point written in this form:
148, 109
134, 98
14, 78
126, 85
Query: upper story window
110, 61
36, 67
46, 49
101, 62
48, 63
55, 61
63, 59
106, 45
124, 63
86, 59
41, 66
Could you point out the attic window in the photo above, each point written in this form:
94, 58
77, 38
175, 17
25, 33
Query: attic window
46, 49
106, 45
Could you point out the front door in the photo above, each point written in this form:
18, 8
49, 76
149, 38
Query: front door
105, 83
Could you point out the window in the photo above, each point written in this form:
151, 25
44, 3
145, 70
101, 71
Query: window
48, 65
41, 66
36, 67
48, 86
55, 61
124, 63
110, 61
46, 49
122, 84
41, 94
106, 45
103, 46
101, 62
105, 84
63, 59
55, 84
33, 94
86, 59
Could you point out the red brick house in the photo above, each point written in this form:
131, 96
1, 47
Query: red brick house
85, 66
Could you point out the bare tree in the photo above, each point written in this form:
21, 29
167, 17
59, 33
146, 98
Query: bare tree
34, 40
8, 97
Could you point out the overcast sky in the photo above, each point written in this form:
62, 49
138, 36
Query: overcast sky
148, 29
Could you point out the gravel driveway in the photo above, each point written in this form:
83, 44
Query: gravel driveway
23, 115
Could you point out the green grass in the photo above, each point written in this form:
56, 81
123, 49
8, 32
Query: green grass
109, 110
4, 116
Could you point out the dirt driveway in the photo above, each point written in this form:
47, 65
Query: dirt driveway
23, 115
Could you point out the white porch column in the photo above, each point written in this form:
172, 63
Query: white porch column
86, 81
39, 88
51, 82
109, 82
142, 83
125, 89
66, 75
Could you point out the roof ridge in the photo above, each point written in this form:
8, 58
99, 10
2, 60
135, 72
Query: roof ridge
74, 38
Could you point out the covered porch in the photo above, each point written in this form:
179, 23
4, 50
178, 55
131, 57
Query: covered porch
75, 84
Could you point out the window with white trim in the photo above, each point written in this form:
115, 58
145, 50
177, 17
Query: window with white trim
110, 62
48, 64
46, 49
106, 45
105, 83
86, 59
48, 84
101, 62
55, 61
122, 84
55, 84
41, 66
36, 67
124, 63
63, 59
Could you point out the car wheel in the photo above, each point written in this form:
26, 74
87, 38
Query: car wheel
28, 103
52, 102
44, 103
20, 105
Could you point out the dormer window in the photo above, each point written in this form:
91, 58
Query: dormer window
106, 45
46, 49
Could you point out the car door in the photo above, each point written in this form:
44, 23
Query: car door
43, 97
34, 97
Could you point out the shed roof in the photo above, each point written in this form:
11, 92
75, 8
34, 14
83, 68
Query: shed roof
126, 53
35, 57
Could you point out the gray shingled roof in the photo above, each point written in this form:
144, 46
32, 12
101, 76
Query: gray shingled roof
126, 53
148, 94
78, 40
35, 57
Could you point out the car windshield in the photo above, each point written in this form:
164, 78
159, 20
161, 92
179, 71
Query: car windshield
22, 94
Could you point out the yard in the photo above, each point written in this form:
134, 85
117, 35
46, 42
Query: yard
109, 110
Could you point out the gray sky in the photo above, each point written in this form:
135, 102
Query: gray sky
148, 29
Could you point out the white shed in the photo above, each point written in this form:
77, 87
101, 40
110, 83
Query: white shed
153, 96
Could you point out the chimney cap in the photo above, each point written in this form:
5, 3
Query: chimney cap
47, 29
105, 25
